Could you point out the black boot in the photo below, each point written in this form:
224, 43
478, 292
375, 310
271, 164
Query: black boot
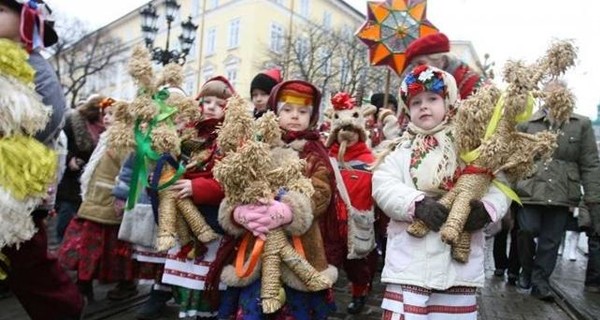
86, 288
356, 305
154, 306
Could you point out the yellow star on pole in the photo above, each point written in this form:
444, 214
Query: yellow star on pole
390, 27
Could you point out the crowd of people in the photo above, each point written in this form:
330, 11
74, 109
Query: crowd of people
374, 169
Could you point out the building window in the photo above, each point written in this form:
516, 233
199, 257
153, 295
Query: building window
344, 72
208, 72
195, 8
347, 32
304, 8
213, 4
231, 74
211, 39
302, 47
327, 20
234, 33
190, 83
277, 38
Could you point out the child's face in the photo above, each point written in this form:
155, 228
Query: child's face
10, 21
259, 99
213, 107
427, 110
108, 116
294, 117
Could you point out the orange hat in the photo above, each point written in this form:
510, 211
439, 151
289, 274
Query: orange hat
296, 93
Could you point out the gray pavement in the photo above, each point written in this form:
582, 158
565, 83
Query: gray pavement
496, 301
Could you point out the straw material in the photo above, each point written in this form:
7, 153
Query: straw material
167, 208
277, 249
194, 219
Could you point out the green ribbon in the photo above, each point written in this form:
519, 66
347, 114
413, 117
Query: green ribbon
165, 111
144, 151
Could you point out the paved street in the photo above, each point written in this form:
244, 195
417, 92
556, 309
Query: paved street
497, 301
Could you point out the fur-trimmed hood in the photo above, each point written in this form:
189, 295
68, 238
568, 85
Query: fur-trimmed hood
83, 137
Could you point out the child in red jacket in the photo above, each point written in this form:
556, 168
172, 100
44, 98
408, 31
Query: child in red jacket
352, 157
186, 267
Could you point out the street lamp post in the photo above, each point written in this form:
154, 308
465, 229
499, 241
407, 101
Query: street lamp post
149, 31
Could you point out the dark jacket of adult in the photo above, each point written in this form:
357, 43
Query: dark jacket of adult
574, 164
81, 145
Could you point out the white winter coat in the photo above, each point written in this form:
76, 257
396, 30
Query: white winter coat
424, 262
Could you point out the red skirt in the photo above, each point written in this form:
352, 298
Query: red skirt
95, 252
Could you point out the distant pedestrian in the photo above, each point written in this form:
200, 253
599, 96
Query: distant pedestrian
548, 195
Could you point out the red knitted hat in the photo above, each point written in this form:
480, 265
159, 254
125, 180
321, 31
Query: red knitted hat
433, 43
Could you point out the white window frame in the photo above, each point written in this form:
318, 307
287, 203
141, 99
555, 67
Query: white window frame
208, 72
189, 84
196, 7
231, 73
327, 19
213, 4
211, 41
234, 33
277, 34
304, 8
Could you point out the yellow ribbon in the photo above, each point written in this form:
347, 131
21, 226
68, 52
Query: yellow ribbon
470, 156
3, 259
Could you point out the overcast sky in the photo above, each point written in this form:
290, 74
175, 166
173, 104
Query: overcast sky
506, 29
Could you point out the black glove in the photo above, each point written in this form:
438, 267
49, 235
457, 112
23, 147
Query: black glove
594, 210
478, 217
432, 213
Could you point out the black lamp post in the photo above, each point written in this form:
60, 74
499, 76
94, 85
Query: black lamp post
149, 31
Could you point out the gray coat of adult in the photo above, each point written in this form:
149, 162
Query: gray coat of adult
48, 87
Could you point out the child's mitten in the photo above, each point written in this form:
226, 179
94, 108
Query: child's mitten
432, 213
478, 217
280, 214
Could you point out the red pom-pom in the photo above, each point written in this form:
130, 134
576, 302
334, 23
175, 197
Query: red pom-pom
343, 101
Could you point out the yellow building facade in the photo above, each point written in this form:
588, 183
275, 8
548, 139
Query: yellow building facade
233, 38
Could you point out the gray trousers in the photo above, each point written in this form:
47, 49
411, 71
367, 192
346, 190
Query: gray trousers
547, 223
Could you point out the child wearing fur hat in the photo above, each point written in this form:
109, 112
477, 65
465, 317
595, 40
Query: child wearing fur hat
420, 272
297, 105
91, 246
347, 143
187, 266
261, 87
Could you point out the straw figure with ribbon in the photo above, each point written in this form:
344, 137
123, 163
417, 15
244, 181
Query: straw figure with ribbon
27, 167
258, 173
489, 143
154, 114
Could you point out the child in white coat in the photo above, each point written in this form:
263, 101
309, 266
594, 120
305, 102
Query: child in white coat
423, 281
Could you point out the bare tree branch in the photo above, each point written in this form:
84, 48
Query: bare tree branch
80, 54
332, 60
